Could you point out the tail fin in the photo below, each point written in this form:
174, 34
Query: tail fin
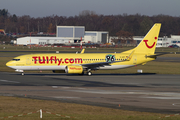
148, 44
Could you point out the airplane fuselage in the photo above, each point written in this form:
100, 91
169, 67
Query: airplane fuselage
80, 62
60, 61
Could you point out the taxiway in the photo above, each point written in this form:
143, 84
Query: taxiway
140, 92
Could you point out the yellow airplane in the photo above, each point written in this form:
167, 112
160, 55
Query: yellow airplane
80, 62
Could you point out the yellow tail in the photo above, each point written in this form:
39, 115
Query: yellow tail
148, 44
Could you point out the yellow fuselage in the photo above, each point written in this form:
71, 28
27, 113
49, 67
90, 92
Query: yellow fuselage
59, 61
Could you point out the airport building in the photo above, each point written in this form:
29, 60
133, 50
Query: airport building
96, 37
65, 35
71, 33
74, 34
162, 41
41, 40
175, 39
165, 41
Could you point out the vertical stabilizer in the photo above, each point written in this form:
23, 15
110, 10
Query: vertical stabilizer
148, 44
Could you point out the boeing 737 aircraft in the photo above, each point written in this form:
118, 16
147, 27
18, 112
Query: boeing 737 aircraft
78, 63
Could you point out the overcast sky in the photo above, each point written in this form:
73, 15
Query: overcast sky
43, 8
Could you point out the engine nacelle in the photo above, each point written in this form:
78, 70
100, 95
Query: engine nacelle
58, 71
74, 69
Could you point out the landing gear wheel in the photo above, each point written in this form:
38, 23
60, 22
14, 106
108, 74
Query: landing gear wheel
89, 73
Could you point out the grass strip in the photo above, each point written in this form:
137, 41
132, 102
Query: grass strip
11, 106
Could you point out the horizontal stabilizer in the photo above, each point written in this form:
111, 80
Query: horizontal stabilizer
155, 55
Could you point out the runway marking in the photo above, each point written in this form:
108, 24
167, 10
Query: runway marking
163, 98
176, 104
66, 97
158, 95
9, 81
54, 86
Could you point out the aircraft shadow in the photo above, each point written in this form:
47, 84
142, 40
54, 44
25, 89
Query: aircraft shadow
101, 74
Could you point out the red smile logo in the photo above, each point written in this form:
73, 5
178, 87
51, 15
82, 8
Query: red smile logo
151, 45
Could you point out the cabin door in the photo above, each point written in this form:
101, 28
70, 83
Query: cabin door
134, 59
28, 60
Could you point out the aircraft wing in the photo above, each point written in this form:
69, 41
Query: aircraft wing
102, 64
94, 65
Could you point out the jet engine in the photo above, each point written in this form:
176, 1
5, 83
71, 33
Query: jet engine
74, 69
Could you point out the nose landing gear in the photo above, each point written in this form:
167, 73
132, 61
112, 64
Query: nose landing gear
22, 71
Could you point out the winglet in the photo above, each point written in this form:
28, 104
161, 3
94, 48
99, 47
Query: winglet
82, 51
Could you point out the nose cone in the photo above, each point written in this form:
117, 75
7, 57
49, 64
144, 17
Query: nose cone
9, 64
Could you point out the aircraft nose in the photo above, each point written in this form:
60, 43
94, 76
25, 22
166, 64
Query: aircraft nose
9, 63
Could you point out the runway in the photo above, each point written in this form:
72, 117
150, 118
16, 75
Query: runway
137, 92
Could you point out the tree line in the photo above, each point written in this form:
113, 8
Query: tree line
137, 25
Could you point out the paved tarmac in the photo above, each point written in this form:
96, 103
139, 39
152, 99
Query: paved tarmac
168, 59
137, 92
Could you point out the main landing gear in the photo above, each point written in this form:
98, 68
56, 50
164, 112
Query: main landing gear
89, 73
22, 73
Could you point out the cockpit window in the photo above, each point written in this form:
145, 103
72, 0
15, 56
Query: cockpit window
16, 59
